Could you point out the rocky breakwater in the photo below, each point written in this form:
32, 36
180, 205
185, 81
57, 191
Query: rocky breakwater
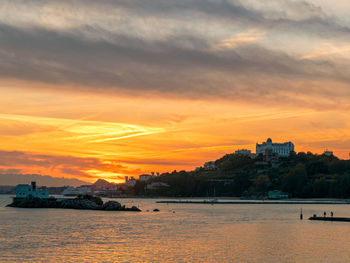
86, 202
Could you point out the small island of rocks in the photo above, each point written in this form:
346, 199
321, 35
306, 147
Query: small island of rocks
86, 202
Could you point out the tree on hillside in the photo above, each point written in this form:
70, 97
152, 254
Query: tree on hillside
320, 187
294, 181
233, 161
262, 183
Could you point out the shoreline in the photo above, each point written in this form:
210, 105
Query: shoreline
223, 199
256, 202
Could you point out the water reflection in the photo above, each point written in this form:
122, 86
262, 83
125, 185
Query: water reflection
195, 233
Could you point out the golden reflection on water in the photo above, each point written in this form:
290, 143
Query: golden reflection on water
195, 233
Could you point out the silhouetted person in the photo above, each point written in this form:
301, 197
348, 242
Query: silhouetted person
324, 213
331, 214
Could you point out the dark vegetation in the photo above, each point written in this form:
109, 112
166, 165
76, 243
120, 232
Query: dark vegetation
304, 175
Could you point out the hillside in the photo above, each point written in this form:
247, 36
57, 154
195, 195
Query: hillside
303, 175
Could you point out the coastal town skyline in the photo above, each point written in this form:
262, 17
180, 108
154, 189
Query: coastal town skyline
110, 89
266, 148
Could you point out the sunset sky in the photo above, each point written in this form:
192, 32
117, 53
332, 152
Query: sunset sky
104, 89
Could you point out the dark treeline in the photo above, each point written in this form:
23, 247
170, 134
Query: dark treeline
300, 175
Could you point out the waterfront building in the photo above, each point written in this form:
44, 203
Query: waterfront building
277, 194
280, 149
25, 190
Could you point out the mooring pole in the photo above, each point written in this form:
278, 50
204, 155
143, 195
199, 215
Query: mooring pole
301, 214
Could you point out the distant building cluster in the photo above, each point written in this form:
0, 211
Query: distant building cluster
104, 188
100, 188
130, 182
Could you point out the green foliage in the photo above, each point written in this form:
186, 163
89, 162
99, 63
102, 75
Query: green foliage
139, 188
234, 161
262, 183
321, 187
299, 175
294, 181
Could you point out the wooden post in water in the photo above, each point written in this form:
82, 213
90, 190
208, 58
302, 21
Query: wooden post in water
301, 214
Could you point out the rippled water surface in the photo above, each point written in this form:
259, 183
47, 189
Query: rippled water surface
194, 233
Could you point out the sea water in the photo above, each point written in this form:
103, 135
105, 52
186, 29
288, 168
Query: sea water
177, 233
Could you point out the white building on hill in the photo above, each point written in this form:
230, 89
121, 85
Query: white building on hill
25, 190
281, 149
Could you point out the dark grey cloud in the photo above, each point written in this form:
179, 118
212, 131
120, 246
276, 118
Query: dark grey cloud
133, 65
302, 16
180, 64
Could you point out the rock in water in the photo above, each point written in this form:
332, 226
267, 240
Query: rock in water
32, 202
112, 205
97, 200
134, 208
79, 204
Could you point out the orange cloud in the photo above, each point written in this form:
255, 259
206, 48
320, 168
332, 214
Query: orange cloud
86, 169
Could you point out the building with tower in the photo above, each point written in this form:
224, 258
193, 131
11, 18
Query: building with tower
280, 149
